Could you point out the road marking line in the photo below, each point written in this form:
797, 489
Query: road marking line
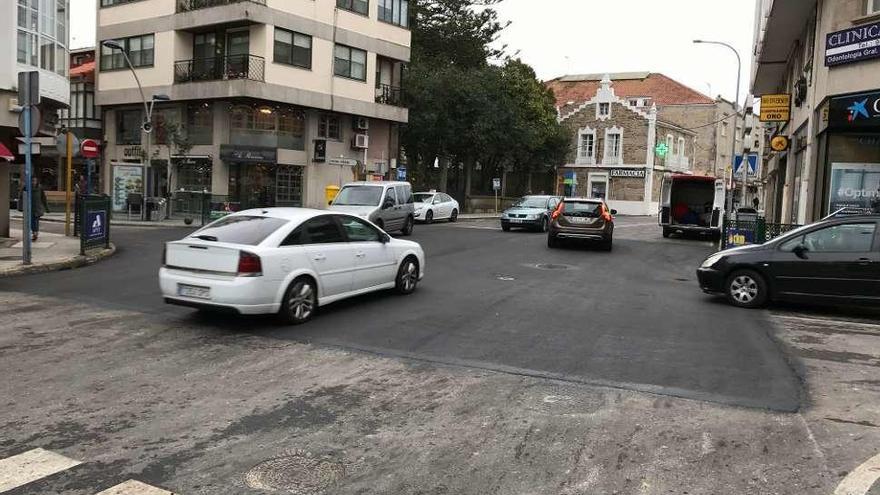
828, 321
30, 466
134, 487
861, 479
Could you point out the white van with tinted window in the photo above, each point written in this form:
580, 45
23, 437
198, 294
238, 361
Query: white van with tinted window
691, 204
389, 205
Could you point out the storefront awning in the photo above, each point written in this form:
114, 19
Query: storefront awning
5, 154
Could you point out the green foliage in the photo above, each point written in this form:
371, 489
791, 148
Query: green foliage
464, 109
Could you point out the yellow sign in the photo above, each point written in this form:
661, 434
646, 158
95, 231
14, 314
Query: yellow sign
779, 143
776, 108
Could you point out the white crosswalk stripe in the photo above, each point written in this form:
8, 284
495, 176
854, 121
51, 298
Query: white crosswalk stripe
30, 466
133, 487
36, 464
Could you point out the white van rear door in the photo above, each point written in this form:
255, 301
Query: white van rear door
665, 217
718, 204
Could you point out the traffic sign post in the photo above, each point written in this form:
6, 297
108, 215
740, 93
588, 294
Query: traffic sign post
89, 150
496, 186
28, 97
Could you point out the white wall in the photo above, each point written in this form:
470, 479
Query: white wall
135, 11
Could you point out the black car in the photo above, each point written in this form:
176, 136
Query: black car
835, 260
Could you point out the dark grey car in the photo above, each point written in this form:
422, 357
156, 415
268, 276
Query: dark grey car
530, 212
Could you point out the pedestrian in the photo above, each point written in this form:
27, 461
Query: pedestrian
39, 206
756, 202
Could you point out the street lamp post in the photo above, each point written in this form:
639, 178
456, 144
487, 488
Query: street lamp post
147, 125
735, 117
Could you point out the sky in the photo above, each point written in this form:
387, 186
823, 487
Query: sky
559, 37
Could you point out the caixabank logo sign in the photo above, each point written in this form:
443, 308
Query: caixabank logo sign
855, 111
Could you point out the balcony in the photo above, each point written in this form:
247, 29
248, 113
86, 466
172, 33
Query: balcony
190, 5
226, 68
389, 95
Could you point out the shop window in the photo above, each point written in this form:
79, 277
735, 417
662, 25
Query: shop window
289, 186
268, 126
200, 123
166, 122
291, 130
128, 126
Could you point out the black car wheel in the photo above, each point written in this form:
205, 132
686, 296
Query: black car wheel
746, 289
407, 276
408, 226
545, 224
300, 301
666, 232
607, 244
454, 217
505, 227
429, 217
552, 241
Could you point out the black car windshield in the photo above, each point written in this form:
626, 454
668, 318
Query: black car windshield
582, 209
240, 229
531, 203
359, 196
423, 197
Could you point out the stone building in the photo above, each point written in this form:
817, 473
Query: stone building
616, 123
277, 99
823, 53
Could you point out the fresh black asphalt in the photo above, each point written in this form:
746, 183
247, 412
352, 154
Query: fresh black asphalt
632, 318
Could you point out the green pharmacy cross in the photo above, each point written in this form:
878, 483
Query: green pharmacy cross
662, 149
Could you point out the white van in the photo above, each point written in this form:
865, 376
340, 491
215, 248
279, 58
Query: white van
691, 203
389, 205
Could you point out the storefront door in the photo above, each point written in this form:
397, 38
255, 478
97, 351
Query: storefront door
251, 185
598, 186
289, 185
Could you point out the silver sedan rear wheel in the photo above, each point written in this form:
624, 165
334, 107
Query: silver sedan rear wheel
407, 276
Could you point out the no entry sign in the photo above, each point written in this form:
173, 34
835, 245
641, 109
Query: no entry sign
89, 148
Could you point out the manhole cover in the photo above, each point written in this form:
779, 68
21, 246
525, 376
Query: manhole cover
552, 266
506, 279
299, 474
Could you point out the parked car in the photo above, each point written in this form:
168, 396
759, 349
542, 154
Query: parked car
288, 261
582, 219
836, 260
389, 205
531, 212
691, 204
430, 206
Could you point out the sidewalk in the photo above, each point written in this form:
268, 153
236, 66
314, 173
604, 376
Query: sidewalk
51, 252
121, 219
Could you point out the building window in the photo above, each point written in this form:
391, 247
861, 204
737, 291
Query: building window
42, 34
350, 62
394, 11
200, 123
293, 48
613, 146
360, 6
873, 6
267, 126
328, 127
724, 129
670, 145
291, 129
110, 3
586, 146
604, 109
681, 147
140, 51
128, 126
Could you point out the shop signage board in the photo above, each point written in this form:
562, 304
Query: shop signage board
248, 154
637, 173
496, 184
779, 143
852, 45
127, 179
854, 112
776, 108
854, 186
344, 162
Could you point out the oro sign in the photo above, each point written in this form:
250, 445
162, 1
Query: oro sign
90, 148
776, 108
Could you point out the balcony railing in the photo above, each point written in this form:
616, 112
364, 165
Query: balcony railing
188, 5
389, 95
220, 69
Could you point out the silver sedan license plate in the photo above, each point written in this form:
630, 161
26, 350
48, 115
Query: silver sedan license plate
194, 291
516, 220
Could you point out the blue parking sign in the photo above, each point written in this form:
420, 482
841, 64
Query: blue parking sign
96, 225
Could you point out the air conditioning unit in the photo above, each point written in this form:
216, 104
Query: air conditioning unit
361, 123
360, 141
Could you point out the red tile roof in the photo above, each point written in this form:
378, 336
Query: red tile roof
661, 89
83, 69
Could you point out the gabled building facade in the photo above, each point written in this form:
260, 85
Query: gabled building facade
617, 121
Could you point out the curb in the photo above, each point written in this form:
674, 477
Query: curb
68, 264
120, 223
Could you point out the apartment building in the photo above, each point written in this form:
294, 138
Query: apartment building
35, 34
83, 118
268, 101
824, 54
617, 121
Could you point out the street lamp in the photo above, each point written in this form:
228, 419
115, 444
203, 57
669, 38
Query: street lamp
735, 117
147, 125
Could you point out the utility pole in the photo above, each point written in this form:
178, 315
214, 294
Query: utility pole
69, 175
28, 98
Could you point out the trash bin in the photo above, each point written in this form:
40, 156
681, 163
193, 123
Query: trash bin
330, 193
